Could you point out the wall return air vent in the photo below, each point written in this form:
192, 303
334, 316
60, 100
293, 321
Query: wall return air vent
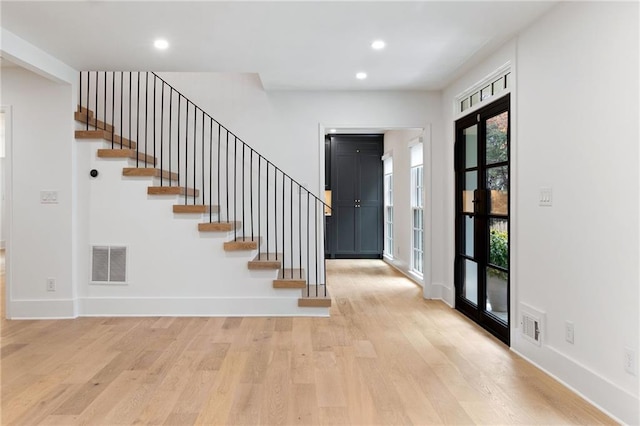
108, 264
531, 324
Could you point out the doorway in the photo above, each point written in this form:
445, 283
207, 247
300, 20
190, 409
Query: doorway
482, 154
355, 227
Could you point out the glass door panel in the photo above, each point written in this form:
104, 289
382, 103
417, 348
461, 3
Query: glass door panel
470, 285
482, 217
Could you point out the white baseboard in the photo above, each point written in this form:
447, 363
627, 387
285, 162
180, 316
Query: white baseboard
398, 266
442, 292
196, 306
42, 309
621, 405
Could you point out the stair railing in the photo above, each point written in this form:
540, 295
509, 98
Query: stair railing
236, 183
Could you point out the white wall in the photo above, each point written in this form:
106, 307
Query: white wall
575, 129
41, 155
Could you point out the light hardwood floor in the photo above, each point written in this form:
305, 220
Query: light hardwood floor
386, 356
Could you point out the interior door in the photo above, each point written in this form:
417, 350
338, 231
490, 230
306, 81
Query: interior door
356, 182
482, 217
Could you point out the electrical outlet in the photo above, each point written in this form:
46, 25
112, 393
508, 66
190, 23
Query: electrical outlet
51, 284
568, 332
630, 361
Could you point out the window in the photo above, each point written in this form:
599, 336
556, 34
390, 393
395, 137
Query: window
417, 213
496, 84
388, 206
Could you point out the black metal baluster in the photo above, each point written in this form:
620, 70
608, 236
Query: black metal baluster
138, 118
88, 89
266, 197
275, 210
243, 220
324, 245
186, 148
113, 109
154, 117
202, 170
104, 104
308, 243
96, 105
146, 116
300, 228
284, 257
259, 196
219, 205
80, 97
315, 227
291, 221
170, 117
161, 133
235, 186
178, 136
251, 191
195, 126
226, 168
129, 110
121, 106
210, 169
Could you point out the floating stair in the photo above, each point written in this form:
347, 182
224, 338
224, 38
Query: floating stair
242, 243
173, 190
82, 117
127, 153
108, 137
309, 298
197, 208
149, 172
290, 278
218, 226
266, 261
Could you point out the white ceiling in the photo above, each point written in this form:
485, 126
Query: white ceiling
305, 45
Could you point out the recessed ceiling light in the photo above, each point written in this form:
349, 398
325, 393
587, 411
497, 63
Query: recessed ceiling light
332, 130
378, 44
161, 44
361, 75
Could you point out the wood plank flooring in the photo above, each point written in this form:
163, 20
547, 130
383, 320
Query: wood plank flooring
386, 356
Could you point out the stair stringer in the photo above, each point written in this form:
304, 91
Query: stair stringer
173, 270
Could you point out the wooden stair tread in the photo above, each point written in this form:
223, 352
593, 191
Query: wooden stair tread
117, 141
82, 117
292, 278
89, 134
311, 300
218, 226
197, 208
149, 172
266, 261
84, 111
242, 243
173, 190
126, 153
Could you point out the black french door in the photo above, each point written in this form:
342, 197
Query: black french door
482, 152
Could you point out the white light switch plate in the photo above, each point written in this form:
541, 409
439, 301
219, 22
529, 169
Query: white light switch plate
49, 197
546, 197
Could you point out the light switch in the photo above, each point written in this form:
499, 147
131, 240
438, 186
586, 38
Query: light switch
546, 198
49, 197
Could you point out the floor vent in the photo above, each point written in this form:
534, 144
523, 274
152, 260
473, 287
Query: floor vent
531, 324
108, 264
